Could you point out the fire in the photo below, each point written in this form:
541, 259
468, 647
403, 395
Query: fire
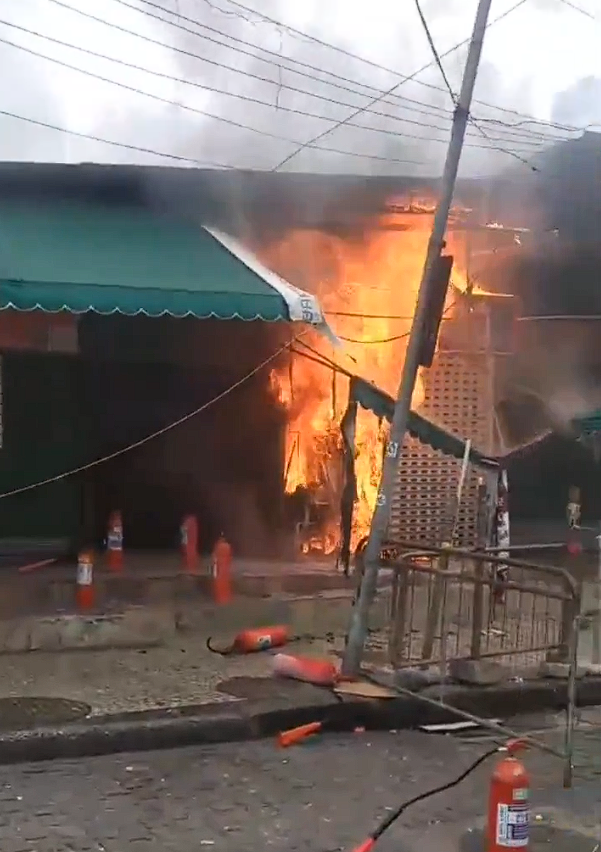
367, 287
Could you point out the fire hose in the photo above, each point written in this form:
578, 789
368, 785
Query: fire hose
367, 845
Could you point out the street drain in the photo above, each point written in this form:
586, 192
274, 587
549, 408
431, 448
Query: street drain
23, 712
269, 688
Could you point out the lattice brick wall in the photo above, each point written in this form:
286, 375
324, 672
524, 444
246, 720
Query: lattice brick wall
459, 397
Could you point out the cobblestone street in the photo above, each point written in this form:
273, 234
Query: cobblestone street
323, 796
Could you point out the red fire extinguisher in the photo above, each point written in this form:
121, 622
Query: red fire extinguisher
508, 805
222, 571
114, 541
254, 640
85, 581
189, 544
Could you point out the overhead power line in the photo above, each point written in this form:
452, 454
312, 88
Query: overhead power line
114, 143
390, 91
576, 8
308, 37
198, 111
537, 138
276, 58
201, 86
437, 58
453, 96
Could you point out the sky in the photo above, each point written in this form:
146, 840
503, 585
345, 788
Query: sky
214, 59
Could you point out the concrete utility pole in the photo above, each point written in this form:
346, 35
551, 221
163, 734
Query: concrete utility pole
379, 524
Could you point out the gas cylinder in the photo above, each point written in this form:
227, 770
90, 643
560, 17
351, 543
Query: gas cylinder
508, 807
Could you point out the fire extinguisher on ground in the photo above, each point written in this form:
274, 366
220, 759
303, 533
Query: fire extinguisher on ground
189, 544
85, 581
114, 541
508, 805
221, 570
508, 815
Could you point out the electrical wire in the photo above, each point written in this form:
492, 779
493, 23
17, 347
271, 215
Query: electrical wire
319, 358
576, 8
431, 110
199, 111
133, 446
381, 340
437, 58
369, 843
348, 53
390, 91
237, 95
124, 145
367, 316
396, 336
453, 96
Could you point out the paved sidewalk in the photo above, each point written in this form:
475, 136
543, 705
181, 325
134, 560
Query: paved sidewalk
253, 797
116, 681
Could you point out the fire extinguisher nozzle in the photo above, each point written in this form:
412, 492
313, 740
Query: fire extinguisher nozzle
366, 846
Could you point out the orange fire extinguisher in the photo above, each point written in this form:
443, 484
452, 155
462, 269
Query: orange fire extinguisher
85, 581
222, 571
254, 640
508, 806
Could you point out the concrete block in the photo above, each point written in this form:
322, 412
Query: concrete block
135, 628
413, 679
45, 634
315, 615
589, 597
15, 635
416, 679
478, 672
229, 619
131, 629
560, 671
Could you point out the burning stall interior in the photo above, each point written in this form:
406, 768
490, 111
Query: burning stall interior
277, 486
367, 283
498, 379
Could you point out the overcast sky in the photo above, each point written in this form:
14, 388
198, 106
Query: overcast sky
542, 59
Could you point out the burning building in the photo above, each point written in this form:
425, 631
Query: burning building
368, 286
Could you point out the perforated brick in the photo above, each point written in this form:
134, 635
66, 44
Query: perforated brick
459, 397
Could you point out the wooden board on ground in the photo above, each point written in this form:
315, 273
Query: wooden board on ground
364, 689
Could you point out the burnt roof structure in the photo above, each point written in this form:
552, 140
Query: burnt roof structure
238, 199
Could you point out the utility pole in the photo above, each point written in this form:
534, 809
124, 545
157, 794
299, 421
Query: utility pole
379, 524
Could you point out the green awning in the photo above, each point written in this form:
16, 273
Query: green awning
376, 400
74, 256
589, 425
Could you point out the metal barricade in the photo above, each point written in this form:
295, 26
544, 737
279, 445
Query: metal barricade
448, 604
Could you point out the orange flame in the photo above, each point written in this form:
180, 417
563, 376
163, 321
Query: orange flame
367, 287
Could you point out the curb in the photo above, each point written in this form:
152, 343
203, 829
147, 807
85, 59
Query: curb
237, 721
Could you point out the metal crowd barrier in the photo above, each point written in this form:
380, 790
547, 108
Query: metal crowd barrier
448, 603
